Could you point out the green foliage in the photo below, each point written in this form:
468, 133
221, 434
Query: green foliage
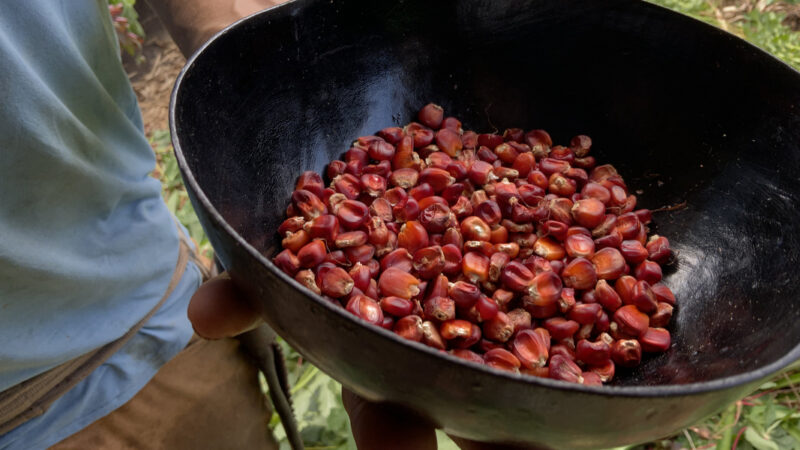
130, 33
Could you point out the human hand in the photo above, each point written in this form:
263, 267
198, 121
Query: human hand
218, 310
388, 427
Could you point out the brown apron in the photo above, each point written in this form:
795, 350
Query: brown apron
33, 397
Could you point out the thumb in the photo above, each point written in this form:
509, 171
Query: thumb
218, 310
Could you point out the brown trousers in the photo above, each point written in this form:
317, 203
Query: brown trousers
206, 397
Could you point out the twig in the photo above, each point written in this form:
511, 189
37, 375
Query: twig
792, 386
689, 438
674, 207
738, 436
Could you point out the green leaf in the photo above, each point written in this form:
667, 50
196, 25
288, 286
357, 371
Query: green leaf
758, 441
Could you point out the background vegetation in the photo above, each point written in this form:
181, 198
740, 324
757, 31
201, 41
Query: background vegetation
768, 419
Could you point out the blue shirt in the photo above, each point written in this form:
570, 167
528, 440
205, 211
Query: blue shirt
87, 245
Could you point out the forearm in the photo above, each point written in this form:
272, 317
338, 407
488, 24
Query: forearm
192, 22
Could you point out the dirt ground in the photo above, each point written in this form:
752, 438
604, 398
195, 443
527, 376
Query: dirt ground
154, 77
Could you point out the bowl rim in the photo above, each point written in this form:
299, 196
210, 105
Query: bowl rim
642, 391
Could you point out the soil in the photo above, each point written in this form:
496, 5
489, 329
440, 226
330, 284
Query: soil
155, 74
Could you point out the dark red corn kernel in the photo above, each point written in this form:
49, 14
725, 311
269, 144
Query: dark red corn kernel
499, 235
607, 296
474, 228
486, 155
388, 247
335, 282
663, 293
308, 204
449, 141
580, 145
514, 134
452, 193
325, 227
585, 313
579, 246
464, 294
437, 179
648, 271
563, 350
307, 279
388, 323
453, 124
312, 254
530, 194
365, 308
628, 225
499, 328
556, 229
612, 240
520, 318
539, 141
531, 347
561, 328
626, 352
548, 249
643, 298
361, 276
429, 262
562, 153
361, 254
567, 300
561, 185
624, 287
564, 369
291, 225
452, 260
516, 277
593, 353
589, 212
453, 236
604, 371
287, 262
431, 115
658, 249
337, 258
394, 196
631, 321
468, 341
523, 164
502, 359
609, 263
295, 241
490, 140
633, 251
423, 136
483, 247
439, 309
310, 181
431, 336
352, 238
412, 236
586, 163
406, 210
497, 261
475, 267
395, 282
661, 317
591, 379
545, 289
579, 274
655, 340
487, 308
468, 355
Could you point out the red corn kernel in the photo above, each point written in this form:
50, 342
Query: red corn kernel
462, 208
520, 318
648, 271
291, 225
633, 251
308, 204
312, 253
631, 321
624, 287
496, 263
545, 289
475, 267
412, 236
591, 379
562, 153
538, 179
468, 355
604, 371
481, 172
437, 179
586, 163
394, 196
395, 282
429, 262
612, 240
643, 298
404, 155
365, 308
464, 294
468, 341
550, 166
455, 328
499, 235
580, 145
596, 191
372, 290
516, 277
585, 313
593, 353
310, 181
335, 282
655, 340
431, 115
531, 347
335, 168
361, 254
475, 229
337, 258
658, 249
453, 124
626, 352
539, 141
452, 259
524, 163
506, 153
392, 135
486, 155
502, 359
307, 279
435, 218
489, 212
662, 316
579, 246
561, 328
409, 327
509, 248
556, 229
609, 263
458, 170
530, 194
483, 247
352, 214
561, 185
663, 293
437, 287
452, 193
628, 225
548, 249
499, 328
608, 225
352, 238
579, 274
406, 210
439, 309
405, 178
295, 241
389, 246
607, 296
502, 297
431, 336
423, 136
514, 134
325, 227
400, 259
449, 141
361, 276
422, 190
564, 369
487, 308
589, 212
490, 140
564, 350
560, 209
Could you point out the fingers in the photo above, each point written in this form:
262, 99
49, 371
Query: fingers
386, 427
217, 310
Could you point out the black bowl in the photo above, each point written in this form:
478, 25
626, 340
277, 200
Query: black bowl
687, 113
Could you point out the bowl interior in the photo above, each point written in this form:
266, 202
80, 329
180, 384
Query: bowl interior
688, 115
